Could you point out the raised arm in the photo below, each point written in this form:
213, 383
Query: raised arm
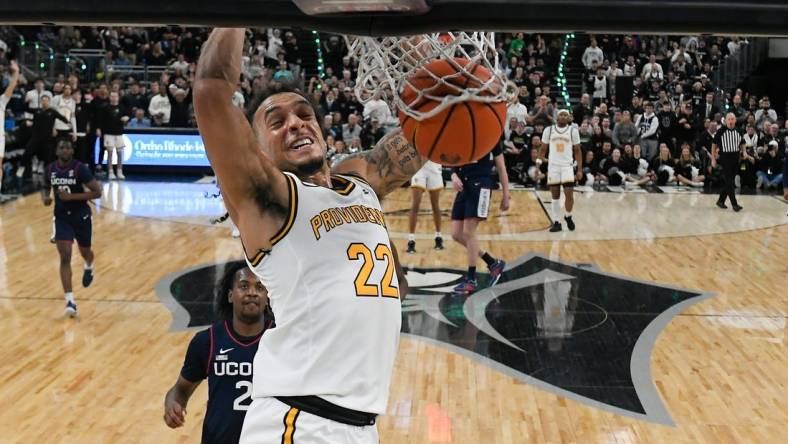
388, 165
9, 90
254, 189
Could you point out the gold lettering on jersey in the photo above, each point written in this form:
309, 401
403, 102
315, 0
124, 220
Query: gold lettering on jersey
331, 218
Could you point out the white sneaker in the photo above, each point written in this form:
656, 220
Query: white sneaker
111, 175
71, 309
120, 175
236, 233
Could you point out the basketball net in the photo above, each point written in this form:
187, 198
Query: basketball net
386, 64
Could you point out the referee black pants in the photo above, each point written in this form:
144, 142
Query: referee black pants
730, 166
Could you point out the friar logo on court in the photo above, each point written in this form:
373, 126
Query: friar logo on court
571, 329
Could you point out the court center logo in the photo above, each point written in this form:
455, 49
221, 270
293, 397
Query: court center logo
570, 329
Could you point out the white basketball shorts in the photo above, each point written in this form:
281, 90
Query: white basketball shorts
269, 420
427, 179
560, 175
113, 141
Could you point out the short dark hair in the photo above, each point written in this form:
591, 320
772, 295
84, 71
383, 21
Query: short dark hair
64, 143
222, 306
284, 87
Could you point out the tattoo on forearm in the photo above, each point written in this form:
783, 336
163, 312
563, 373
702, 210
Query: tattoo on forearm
394, 160
391, 162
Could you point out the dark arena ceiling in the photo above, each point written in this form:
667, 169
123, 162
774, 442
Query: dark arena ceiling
743, 17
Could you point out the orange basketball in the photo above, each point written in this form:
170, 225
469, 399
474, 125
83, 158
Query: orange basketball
463, 132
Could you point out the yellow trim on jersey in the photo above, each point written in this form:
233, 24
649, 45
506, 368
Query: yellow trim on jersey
290, 419
348, 185
356, 176
255, 261
292, 201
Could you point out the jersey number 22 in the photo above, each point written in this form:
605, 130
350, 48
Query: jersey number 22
360, 252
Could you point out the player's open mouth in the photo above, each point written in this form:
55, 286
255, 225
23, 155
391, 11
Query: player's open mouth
302, 143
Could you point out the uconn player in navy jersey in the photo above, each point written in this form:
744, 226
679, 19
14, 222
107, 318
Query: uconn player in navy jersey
224, 353
473, 183
69, 178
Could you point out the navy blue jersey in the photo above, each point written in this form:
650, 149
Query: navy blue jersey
225, 358
73, 177
482, 167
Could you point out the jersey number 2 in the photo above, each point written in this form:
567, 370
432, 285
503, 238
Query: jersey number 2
360, 252
247, 386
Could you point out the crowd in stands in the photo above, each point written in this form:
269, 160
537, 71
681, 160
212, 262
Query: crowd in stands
662, 135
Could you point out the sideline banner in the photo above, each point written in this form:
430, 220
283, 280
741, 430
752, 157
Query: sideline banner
161, 149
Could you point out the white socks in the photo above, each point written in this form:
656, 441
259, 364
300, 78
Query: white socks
88, 266
438, 234
568, 214
556, 207
69, 297
411, 237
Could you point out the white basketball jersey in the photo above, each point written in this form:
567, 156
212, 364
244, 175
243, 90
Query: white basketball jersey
334, 291
561, 142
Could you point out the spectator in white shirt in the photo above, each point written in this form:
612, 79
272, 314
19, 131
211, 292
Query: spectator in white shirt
592, 53
652, 70
66, 105
378, 109
611, 73
514, 111
180, 64
159, 103
735, 44
682, 53
630, 68
33, 97
274, 43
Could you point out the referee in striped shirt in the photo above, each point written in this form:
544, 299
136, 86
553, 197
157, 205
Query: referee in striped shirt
728, 146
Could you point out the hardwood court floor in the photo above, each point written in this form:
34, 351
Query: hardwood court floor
720, 367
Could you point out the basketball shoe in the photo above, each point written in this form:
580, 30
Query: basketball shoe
71, 309
438, 243
466, 286
496, 270
87, 277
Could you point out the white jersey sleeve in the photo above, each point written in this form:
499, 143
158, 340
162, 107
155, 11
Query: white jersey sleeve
575, 136
546, 134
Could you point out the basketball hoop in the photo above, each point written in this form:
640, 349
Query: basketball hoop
387, 63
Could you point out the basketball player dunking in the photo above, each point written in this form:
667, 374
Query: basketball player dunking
318, 241
69, 178
560, 172
223, 354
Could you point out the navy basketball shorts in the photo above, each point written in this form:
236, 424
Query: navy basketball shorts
72, 226
473, 200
